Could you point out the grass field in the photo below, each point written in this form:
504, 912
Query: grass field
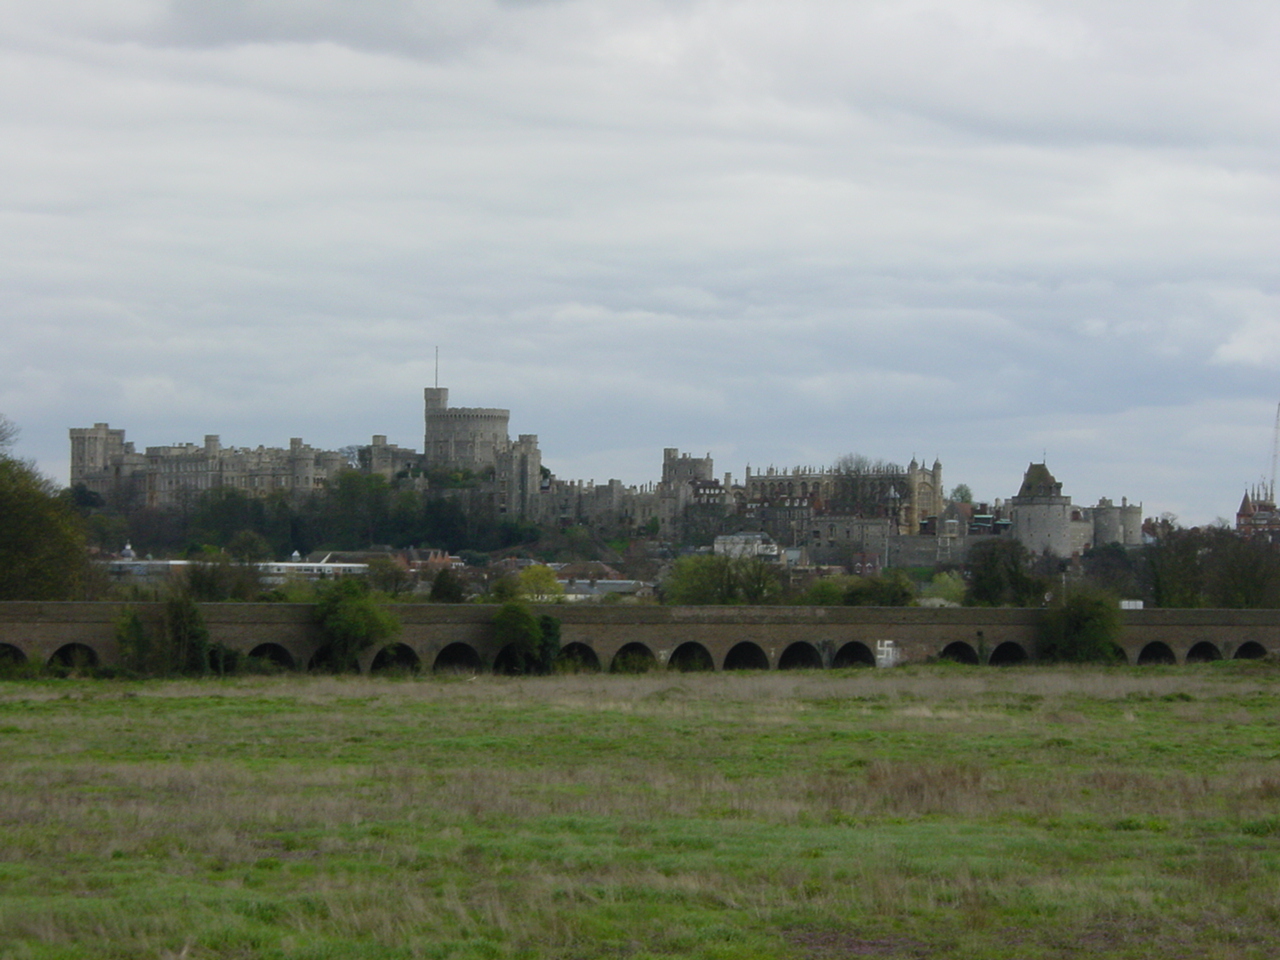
920, 812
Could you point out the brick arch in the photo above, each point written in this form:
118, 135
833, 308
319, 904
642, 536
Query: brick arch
577, 657
274, 653
800, 655
690, 657
1007, 654
855, 653
960, 652
746, 655
457, 658
634, 657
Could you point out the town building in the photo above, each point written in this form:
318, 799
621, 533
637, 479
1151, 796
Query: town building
1257, 518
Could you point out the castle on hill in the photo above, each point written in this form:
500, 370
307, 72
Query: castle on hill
835, 515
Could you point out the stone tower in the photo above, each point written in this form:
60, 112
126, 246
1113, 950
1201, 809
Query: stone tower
462, 438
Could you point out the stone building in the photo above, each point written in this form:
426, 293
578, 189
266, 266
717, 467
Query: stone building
687, 501
387, 459
475, 439
461, 438
906, 498
108, 465
176, 474
1044, 520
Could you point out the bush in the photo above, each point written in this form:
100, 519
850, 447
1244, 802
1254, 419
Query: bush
1084, 629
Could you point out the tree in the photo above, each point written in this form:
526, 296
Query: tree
1208, 568
249, 546
8, 435
180, 647
758, 581
137, 651
448, 587
213, 578
387, 575
712, 579
1241, 574
1085, 628
549, 646
893, 588
825, 592
352, 622
947, 586
1112, 568
701, 579
523, 639
42, 555
538, 584
1172, 566
961, 493
187, 648
998, 576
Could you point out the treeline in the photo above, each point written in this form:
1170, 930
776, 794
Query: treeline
1178, 568
355, 511
710, 579
1199, 567
42, 544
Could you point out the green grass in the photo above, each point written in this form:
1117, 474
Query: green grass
919, 812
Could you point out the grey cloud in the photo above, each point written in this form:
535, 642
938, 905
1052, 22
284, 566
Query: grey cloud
780, 232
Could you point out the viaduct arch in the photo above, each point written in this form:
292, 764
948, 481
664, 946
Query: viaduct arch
459, 637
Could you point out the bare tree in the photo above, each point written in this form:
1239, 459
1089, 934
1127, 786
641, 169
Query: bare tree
856, 465
8, 434
866, 487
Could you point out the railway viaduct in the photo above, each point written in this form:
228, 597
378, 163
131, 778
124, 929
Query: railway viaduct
460, 637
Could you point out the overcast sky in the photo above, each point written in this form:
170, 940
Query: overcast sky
778, 232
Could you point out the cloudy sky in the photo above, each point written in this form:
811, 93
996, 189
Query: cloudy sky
989, 232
